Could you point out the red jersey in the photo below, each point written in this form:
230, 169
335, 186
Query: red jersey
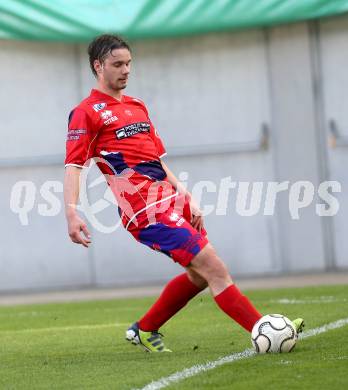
129, 148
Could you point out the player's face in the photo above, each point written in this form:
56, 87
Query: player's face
114, 71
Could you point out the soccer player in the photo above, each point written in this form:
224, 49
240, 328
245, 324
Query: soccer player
155, 208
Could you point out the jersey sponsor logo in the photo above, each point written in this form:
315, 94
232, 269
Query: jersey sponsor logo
108, 117
99, 106
130, 130
74, 134
106, 114
110, 120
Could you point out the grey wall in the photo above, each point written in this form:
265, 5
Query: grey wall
209, 97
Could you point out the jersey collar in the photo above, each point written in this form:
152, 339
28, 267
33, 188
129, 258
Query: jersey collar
95, 93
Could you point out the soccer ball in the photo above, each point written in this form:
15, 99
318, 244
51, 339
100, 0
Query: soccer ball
273, 333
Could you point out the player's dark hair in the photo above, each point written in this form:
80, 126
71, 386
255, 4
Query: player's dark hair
102, 45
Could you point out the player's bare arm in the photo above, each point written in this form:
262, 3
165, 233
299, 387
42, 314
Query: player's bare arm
197, 217
77, 227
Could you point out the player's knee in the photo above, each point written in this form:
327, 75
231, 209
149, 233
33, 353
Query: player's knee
219, 270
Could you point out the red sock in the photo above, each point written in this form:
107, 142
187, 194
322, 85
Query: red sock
238, 307
174, 297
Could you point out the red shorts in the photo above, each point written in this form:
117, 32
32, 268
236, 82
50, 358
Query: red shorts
173, 235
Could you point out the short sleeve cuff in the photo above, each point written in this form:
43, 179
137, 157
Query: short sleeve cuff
74, 165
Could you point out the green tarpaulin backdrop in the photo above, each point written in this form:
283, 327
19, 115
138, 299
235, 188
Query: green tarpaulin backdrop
79, 20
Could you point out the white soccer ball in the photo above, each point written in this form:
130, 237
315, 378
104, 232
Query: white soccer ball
273, 333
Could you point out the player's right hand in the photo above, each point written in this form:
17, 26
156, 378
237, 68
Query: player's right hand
197, 215
78, 231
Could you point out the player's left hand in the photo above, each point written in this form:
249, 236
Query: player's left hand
197, 216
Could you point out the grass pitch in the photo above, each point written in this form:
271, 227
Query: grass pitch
82, 346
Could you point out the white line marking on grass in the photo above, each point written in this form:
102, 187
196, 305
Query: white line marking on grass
307, 301
199, 368
63, 328
324, 328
